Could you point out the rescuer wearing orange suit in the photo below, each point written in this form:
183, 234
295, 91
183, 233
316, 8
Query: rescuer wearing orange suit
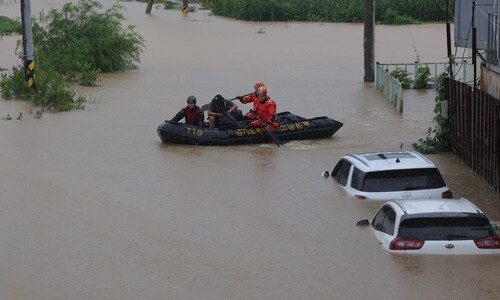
252, 98
266, 111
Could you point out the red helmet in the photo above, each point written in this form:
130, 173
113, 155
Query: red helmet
258, 84
262, 91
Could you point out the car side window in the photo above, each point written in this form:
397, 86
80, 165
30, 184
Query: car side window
389, 221
378, 220
384, 220
341, 171
357, 179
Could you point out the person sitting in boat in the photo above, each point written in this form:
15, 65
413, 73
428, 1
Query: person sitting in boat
217, 107
192, 113
252, 98
266, 111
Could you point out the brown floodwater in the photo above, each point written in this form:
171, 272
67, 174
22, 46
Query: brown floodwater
94, 206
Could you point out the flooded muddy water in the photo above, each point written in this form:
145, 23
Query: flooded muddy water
94, 206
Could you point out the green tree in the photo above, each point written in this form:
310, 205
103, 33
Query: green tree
75, 44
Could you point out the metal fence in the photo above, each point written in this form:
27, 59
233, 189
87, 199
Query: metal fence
475, 123
391, 87
436, 69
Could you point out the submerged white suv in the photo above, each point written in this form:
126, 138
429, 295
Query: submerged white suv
390, 175
434, 226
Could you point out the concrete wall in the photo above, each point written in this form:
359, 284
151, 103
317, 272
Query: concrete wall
463, 18
490, 80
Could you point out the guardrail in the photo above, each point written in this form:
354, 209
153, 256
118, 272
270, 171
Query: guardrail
436, 68
391, 87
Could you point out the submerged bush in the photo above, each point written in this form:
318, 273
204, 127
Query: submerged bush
51, 92
170, 5
80, 35
422, 78
403, 77
8, 25
13, 85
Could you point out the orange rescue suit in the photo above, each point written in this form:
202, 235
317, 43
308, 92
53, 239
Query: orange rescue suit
266, 114
256, 102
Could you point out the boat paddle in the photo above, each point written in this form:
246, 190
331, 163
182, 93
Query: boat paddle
205, 107
275, 138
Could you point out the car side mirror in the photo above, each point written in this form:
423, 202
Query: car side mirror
363, 222
325, 174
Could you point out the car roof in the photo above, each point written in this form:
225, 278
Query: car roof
390, 160
421, 206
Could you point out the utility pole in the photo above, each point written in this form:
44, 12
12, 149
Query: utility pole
149, 6
474, 48
448, 35
369, 41
28, 49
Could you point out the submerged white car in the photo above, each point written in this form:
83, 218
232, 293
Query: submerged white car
390, 175
434, 226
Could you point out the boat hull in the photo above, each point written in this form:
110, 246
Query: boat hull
291, 127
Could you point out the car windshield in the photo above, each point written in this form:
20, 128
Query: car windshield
466, 227
399, 180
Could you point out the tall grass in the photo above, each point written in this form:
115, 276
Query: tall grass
335, 11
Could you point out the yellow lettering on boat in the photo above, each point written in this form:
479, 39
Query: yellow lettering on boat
194, 131
240, 132
295, 126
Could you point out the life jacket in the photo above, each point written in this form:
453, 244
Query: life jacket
191, 116
266, 112
256, 103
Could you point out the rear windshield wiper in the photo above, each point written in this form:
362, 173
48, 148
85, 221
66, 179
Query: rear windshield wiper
480, 228
456, 236
411, 188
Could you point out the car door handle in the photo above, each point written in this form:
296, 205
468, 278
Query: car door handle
380, 242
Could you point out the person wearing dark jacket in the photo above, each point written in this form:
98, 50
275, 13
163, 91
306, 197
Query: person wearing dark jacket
217, 108
192, 113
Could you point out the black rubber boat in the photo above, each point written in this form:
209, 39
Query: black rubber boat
291, 127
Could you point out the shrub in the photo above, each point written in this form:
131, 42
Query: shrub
51, 92
438, 139
423, 74
79, 35
402, 76
9, 26
74, 44
13, 85
170, 5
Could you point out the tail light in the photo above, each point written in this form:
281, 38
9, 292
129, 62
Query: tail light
360, 197
401, 243
447, 195
491, 242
